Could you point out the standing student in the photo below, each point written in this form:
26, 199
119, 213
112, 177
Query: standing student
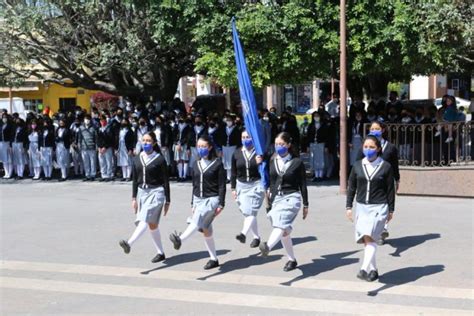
198, 130
232, 140
355, 135
390, 155
181, 149
19, 146
164, 137
247, 188
63, 143
208, 199
75, 150
87, 141
46, 148
150, 194
105, 145
140, 130
6, 137
317, 138
287, 191
371, 182
35, 136
125, 150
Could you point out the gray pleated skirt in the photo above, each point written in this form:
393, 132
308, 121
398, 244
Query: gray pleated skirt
284, 211
5, 152
227, 152
181, 155
317, 155
370, 221
204, 212
19, 154
62, 155
250, 197
150, 204
46, 156
34, 155
123, 158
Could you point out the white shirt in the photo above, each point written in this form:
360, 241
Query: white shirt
149, 157
371, 165
282, 162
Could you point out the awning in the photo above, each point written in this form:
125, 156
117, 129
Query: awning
18, 89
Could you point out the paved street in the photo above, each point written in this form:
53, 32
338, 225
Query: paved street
60, 255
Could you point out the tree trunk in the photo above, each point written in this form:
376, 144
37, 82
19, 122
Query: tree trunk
377, 85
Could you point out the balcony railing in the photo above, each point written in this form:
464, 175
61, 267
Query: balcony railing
431, 145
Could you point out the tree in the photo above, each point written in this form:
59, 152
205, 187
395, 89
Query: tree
131, 48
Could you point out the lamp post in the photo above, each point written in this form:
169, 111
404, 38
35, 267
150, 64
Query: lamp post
342, 101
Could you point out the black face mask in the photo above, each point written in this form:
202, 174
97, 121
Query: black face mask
198, 123
212, 125
142, 123
124, 125
419, 115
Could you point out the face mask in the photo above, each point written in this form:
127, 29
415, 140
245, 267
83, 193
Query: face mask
229, 123
182, 125
212, 125
4, 120
147, 147
376, 133
370, 153
198, 123
33, 126
135, 125
281, 150
419, 115
203, 152
358, 118
87, 122
317, 119
371, 117
247, 142
142, 123
266, 118
103, 123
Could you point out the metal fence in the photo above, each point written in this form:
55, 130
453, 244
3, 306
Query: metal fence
431, 145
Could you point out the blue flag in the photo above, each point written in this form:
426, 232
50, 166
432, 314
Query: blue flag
249, 106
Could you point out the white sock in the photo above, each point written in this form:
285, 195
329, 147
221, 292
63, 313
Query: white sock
211, 247
369, 254
64, 172
229, 173
20, 170
155, 234
373, 264
124, 172
274, 238
254, 228
385, 226
248, 220
37, 172
191, 229
288, 245
185, 169
8, 169
141, 228
180, 170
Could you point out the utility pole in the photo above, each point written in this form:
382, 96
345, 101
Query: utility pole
343, 101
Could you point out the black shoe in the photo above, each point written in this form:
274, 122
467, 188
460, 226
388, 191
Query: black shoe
102, 180
174, 237
264, 249
290, 265
211, 264
125, 246
85, 179
385, 234
108, 179
314, 179
255, 243
380, 242
128, 179
158, 258
372, 276
61, 179
92, 179
18, 178
362, 275
241, 237
122, 180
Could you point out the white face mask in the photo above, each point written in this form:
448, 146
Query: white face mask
182, 125
229, 123
87, 122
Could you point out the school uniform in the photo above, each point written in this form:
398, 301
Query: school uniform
139, 133
217, 136
181, 136
75, 150
232, 141
87, 141
19, 150
287, 190
34, 139
390, 155
164, 137
150, 186
245, 180
209, 187
46, 148
197, 132
317, 137
126, 144
6, 138
372, 185
63, 144
105, 139
354, 137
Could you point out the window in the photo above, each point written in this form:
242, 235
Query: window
67, 104
32, 104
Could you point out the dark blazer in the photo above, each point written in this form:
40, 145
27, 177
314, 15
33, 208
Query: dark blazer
390, 155
66, 137
21, 136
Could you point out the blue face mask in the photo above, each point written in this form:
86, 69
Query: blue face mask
247, 142
377, 134
370, 153
147, 147
203, 152
281, 150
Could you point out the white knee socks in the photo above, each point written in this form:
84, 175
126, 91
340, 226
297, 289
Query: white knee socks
37, 171
63, 172
229, 173
288, 245
211, 247
185, 170
369, 257
247, 224
20, 169
180, 170
141, 228
274, 238
8, 169
191, 229
254, 229
155, 234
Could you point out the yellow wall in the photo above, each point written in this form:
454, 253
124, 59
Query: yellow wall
52, 93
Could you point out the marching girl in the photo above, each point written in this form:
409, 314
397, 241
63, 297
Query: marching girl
6, 137
232, 140
246, 187
125, 150
287, 191
371, 183
208, 200
46, 148
389, 153
63, 143
182, 137
35, 136
19, 145
150, 194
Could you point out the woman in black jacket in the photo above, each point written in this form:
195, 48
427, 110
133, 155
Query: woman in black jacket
287, 192
371, 182
6, 137
47, 146
150, 194
208, 199
318, 139
19, 148
63, 143
126, 144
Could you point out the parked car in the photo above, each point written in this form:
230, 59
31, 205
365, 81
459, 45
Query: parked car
459, 102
